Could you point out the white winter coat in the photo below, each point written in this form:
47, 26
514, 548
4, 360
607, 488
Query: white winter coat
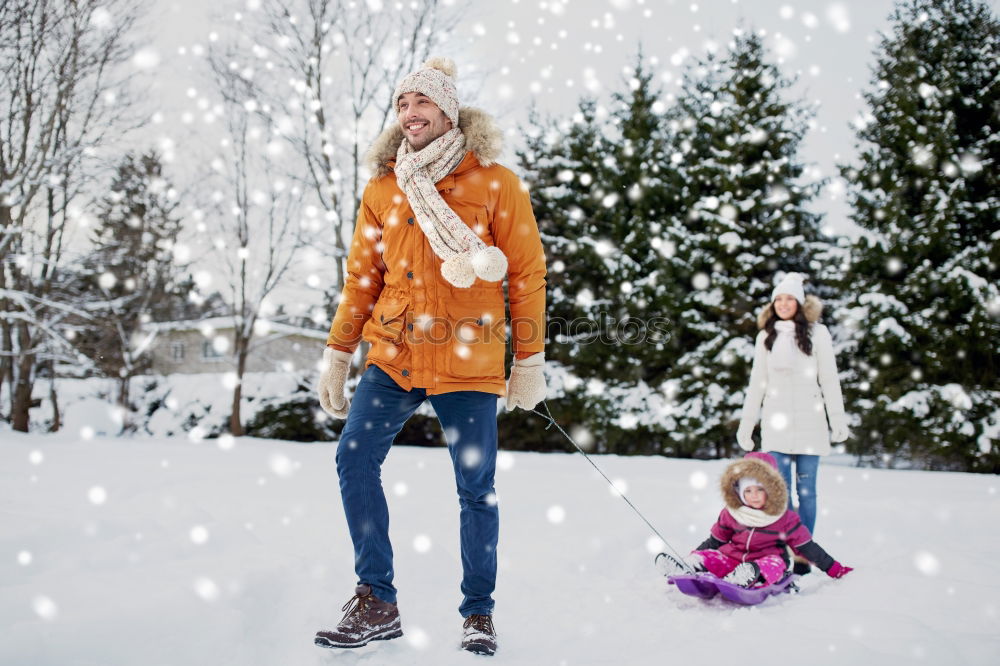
797, 400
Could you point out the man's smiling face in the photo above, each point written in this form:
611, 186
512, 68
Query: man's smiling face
421, 120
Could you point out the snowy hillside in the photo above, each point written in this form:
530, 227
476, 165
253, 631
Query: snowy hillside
164, 551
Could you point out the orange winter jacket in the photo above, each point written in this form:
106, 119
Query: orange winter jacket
424, 332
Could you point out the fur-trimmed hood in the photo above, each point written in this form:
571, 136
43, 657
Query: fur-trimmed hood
482, 138
812, 308
757, 467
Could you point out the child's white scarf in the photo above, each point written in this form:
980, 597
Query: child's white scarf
752, 517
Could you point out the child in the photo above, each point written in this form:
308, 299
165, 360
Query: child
748, 542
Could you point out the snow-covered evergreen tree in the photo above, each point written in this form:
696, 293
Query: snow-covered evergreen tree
133, 268
743, 206
926, 304
599, 193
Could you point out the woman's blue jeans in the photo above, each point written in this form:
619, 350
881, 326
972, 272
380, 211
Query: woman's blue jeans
469, 420
806, 469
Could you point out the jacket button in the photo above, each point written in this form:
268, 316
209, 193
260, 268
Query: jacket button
409, 220
406, 373
409, 275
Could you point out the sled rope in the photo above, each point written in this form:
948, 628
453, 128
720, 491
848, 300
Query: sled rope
552, 422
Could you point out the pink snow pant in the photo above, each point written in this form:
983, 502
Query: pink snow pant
772, 567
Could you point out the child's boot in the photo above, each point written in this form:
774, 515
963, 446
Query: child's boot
670, 566
745, 574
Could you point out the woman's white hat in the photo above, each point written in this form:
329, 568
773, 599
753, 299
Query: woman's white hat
791, 284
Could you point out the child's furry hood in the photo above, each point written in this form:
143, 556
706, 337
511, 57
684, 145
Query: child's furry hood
482, 137
769, 477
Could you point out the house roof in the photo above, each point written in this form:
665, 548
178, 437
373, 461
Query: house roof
210, 326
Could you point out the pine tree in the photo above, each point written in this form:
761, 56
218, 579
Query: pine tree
599, 194
743, 220
926, 305
133, 267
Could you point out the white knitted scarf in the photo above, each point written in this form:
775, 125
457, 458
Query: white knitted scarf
464, 254
752, 517
783, 351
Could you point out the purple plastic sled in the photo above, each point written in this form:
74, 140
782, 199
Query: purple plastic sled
706, 586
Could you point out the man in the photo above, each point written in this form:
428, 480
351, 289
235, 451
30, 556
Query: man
440, 226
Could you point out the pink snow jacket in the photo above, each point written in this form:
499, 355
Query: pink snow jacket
740, 542
752, 543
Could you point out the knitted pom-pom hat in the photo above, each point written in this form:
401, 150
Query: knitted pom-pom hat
436, 79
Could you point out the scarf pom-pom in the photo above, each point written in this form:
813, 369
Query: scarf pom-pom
457, 270
490, 264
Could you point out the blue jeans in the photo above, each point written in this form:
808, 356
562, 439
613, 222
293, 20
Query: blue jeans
806, 469
469, 420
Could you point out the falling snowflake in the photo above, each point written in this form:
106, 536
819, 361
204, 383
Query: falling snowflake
97, 495
226, 441
206, 589
505, 460
618, 487
45, 608
926, 563
422, 543
471, 457
146, 58
282, 465
701, 281
417, 637
839, 17
698, 480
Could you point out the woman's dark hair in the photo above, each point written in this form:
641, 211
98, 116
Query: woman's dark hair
802, 338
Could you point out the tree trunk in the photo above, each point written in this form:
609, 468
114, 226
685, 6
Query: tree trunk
6, 334
235, 422
21, 404
123, 401
235, 426
7, 361
54, 399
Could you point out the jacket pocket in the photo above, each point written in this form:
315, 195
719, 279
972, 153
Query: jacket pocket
385, 329
478, 341
482, 226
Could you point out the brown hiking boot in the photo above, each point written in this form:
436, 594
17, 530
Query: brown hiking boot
480, 636
367, 618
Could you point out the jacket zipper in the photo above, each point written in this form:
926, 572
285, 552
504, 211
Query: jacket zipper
753, 530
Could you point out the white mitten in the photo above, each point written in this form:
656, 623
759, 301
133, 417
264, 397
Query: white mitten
695, 561
744, 436
526, 386
336, 365
839, 433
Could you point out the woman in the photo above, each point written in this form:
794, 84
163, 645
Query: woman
795, 376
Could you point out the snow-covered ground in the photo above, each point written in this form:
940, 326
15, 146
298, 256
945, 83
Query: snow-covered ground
168, 551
